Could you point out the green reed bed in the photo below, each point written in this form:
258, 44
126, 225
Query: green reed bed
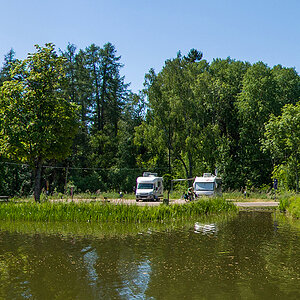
100, 212
291, 205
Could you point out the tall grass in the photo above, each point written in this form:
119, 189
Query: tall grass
99, 212
291, 205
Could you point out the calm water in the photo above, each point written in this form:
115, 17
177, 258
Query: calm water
255, 255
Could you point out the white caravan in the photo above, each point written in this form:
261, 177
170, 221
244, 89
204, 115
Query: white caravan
207, 185
149, 187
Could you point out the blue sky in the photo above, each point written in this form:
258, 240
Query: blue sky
147, 32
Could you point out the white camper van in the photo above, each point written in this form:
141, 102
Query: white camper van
149, 187
207, 185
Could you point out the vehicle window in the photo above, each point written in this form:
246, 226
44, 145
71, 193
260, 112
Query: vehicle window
145, 186
204, 186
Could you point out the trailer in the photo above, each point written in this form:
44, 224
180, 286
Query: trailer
207, 185
149, 187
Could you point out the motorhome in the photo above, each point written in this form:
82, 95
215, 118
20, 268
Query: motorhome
149, 187
207, 185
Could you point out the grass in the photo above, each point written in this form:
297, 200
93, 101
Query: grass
100, 212
291, 205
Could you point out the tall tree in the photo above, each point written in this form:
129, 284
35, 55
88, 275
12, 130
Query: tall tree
255, 104
173, 123
9, 59
70, 55
282, 140
224, 85
265, 91
37, 121
113, 88
92, 63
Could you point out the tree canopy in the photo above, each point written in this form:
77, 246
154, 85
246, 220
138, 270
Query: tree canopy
282, 140
37, 121
74, 111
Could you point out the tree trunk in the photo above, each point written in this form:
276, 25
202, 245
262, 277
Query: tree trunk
169, 148
190, 159
66, 179
184, 165
297, 175
37, 179
102, 100
97, 99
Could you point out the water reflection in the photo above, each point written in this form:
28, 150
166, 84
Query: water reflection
135, 280
205, 228
253, 255
90, 257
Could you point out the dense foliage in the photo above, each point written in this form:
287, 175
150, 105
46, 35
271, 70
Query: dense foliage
37, 121
193, 116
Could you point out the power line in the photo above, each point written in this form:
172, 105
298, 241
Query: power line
79, 168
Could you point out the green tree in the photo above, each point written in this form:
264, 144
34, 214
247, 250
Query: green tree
265, 91
9, 59
113, 88
255, 104
126, 170
14, 179
220, 94
173, 125
108, 89
282, 140
95, 84
37, 121
92, 64
79, 90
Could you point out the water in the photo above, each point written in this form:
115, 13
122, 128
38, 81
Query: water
254, 255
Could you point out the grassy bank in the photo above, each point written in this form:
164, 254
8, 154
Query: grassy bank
291, 206
99, 212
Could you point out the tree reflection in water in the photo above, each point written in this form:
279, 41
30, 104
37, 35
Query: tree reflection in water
253, 255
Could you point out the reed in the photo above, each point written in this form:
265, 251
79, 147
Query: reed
106, 212
294, 207
291, 205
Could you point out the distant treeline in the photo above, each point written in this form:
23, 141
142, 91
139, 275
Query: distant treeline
239, 119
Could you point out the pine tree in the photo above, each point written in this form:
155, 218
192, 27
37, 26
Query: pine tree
9, 59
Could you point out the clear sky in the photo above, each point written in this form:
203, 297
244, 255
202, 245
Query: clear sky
147, 32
